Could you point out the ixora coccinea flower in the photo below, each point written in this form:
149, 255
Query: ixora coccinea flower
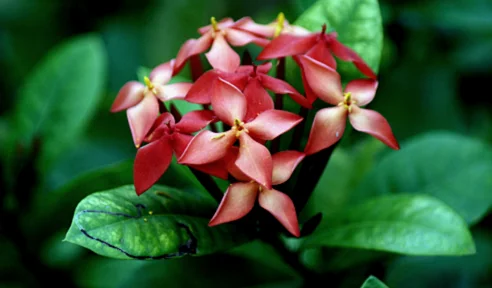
240, 197
229, 104
271, 30
319, 46
329, 123
165, 139
141, 101
253, 81
218, 35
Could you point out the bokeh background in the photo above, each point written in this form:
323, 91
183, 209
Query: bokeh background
435, 74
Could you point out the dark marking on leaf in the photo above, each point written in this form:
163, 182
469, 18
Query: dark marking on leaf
163, 194
188, 248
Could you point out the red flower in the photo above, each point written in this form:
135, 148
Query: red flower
166, 138
218, 35
240, 197
319, 46
329, 123
141, 101
229, 104
253, 81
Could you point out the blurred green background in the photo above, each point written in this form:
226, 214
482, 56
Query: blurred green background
435, 74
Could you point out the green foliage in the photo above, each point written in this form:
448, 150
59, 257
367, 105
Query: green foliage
162, 223
453, 168
59, 97
373, 282
407, 224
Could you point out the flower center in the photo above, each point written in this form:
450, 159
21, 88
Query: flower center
239, 127
150, 85
347, 101
280, 24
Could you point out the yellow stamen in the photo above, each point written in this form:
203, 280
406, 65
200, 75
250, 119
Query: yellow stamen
280, 24
218, 136
214, 24
347, 97
148, 83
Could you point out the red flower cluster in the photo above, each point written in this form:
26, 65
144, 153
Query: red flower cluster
239, 99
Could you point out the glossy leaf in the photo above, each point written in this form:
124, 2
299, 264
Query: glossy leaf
162, 223
453, 168
373, 282
406, 224
60, 96
358, 25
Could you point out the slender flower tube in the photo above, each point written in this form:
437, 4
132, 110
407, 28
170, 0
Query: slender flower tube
218, 35
141, 101
329, 123
230, 106
165, 139
240, 197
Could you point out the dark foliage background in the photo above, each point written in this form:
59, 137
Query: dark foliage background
435, 74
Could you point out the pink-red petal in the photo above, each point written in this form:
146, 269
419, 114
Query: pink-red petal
328, 127
201, 91
221, 56
323, 80
238, 200
281, 207
162, 125
288, 45
272, 123
230, 162
151, 161
228, 102
321, 53
347, 54
240, 38
128, 96
191, 47
362, 90
284, 164
162, 73
222, 24
141, 117
207, 147
247, 24
281, 87
173, 91
195, 120
255, 160
373, 123
257, 98
216, 168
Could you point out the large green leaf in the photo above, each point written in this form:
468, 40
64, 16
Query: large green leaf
453, 168
408, 224
373, 282
161, 223
358, 24
60, 96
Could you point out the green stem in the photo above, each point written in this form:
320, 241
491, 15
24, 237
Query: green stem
209, 184
295, 144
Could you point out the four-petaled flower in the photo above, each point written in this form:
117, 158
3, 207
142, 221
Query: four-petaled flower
329, 123
253, 81
240, 197
319, 46
276, 28
218, 35
229, 104
165, 138
141, 101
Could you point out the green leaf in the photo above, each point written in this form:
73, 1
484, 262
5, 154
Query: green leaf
60, 96
407, 224
161, 223
468, 271
358, 24
453, 168
373, 282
